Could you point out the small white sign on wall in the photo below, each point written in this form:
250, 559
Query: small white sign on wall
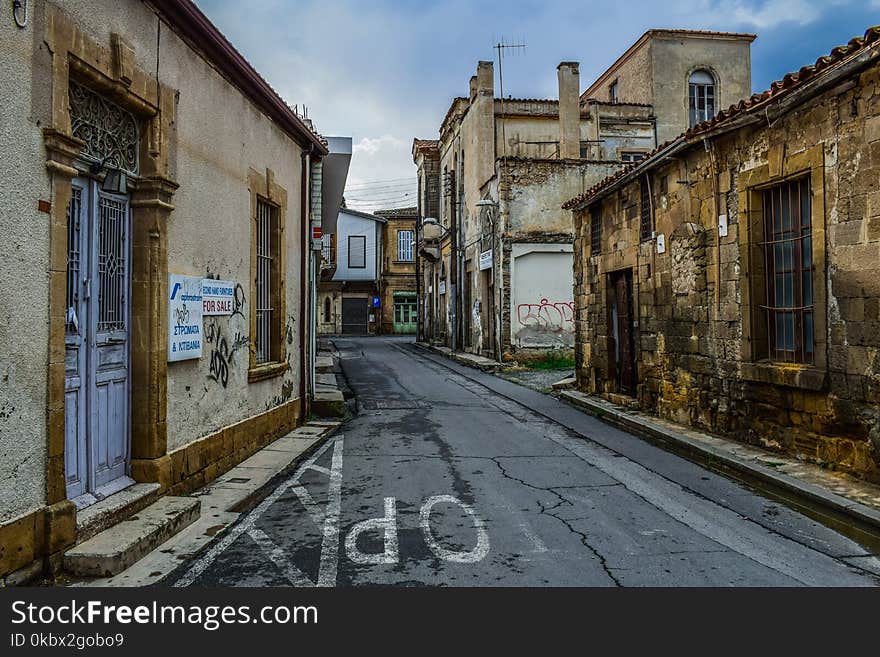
184, 317
486, 260
217, 297
661, 243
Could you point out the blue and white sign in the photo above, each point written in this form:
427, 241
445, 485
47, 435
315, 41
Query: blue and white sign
184, 317
217, 297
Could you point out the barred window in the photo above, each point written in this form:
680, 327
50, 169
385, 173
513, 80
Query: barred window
268, 283
646, 224
788, 252
405, 245
595, 230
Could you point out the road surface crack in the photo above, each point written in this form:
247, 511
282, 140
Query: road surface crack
547, 510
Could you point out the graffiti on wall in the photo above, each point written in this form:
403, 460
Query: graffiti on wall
225, 340
546, 322
222, 352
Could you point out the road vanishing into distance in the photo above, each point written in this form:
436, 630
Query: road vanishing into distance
448, 476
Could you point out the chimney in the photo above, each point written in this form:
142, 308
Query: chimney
569, 77
486, 78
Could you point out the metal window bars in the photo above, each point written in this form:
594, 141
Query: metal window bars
595, 230
646, 224
266, 293
788, 252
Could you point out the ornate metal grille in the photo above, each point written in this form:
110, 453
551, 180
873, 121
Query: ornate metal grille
112, 249
108, 130
74, 259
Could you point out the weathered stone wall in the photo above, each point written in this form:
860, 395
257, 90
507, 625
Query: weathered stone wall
699, 351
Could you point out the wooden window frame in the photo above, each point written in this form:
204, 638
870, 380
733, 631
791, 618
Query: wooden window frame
751, 184
263, 189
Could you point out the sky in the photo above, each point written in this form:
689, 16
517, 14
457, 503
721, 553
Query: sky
385, 71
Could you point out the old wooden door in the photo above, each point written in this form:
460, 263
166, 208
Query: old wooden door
623, 331
97, 421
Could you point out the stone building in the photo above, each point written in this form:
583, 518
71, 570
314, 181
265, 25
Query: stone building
348, 292
145, 166
731, 280
496, 276
397, 276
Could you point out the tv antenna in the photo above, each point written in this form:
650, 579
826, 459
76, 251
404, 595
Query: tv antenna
502, 48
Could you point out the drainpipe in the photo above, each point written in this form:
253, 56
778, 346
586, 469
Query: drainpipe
305, 285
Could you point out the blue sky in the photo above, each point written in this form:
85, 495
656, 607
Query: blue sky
385, 71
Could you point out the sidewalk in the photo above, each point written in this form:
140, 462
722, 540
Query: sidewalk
830, 497
222, 503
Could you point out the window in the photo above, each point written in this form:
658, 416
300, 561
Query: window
646, 224
267, 303
631, 156
328, 253
701, 97
326, 310
357, 251
405, 245
788, 253
268, 283
613, 95
596, 230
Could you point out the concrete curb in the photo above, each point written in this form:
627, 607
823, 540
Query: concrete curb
832, 506
462, 358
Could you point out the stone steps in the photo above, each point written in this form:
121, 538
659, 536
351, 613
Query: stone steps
115, 549
99, 516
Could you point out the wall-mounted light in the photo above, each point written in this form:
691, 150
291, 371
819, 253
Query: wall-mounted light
20, 12
115, 180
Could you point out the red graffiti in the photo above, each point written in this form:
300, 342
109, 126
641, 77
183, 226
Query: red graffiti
557, 316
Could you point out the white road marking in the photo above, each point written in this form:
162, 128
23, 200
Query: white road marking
203, 562
309, 503
277, 556
330, 544
533, 537
387, 523
477, 554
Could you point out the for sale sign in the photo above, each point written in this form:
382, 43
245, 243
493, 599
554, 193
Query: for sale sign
217, 297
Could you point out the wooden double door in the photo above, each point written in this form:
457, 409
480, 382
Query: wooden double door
97, 344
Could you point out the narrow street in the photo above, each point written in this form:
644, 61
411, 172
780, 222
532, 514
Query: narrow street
448, 476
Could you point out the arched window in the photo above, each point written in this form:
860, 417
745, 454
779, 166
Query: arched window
701, 97
326, 310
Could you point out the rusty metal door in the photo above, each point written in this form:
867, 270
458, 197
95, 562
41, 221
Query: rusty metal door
354, 315
622, 331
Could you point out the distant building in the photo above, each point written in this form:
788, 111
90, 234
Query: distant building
496, 274
731, 280
397, 276
348, 292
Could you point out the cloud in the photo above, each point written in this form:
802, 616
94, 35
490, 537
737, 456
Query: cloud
385, 71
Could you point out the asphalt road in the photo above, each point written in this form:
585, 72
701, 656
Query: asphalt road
452, 477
